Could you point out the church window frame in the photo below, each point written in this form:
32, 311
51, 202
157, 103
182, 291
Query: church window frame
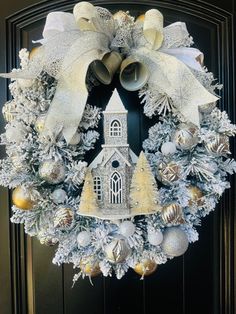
115, 129
115, 188
97, 184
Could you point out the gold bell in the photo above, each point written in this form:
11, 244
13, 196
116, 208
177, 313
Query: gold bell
105, 69
133, 74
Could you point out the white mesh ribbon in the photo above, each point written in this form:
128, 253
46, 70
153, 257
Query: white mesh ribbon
72, 41
173, 77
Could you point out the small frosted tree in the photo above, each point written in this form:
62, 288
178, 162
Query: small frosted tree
88, 202
143, 191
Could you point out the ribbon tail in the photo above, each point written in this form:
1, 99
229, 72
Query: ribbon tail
172, 77
188, 56
68, 104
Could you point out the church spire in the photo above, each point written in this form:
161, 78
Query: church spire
115, 104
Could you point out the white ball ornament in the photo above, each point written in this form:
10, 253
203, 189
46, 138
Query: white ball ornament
168, 148
84, 238
127, 228
155, 237
25, 83
58, 196
175, 241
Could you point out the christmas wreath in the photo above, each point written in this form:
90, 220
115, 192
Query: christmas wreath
121, 210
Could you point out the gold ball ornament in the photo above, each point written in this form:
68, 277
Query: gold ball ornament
90, 268
169, 172
218, 144
51, 171
175, 242
63, 217
40, 122
21, 198
186, 136
172, 214
34, 51
145, 267
118, 250
196, 196
140, 18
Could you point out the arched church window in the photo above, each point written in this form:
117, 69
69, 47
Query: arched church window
115, 128
98, 187
115, 188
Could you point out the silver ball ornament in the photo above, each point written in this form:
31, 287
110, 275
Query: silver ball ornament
175, 241
51, 171
168, 148
155, 237
127, 228
118, 250
58, 196
186, 136
84, 238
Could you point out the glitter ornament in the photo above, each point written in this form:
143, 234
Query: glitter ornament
145, 268
9, 111
175, 241
51, 171
46, 239
127, 228
186, 136
40, 122
59, 196
172, 214
16, 133
218, 144
196, 196
168, 148
25, 83
169, 172
118, 250
75, 139
90, 268
84, 238
22, 199
155, 237
63, 218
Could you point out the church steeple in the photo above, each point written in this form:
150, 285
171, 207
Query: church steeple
115, 122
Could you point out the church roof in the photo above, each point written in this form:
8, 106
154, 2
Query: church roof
115, 104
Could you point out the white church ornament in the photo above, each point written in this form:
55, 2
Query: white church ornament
124, 209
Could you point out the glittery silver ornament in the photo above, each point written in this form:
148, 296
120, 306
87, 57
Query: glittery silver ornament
127, 228
155, 237
172, 214
40, 122
9, 111
84, 238
118, 250
218, 144
16, 133
52, 171
175, 241
58, 196
168, 148
186, 136
168, 172
63, 217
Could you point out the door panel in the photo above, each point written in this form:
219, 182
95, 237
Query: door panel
200, 282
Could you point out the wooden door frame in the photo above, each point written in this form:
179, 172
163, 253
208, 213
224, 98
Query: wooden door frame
19, 250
